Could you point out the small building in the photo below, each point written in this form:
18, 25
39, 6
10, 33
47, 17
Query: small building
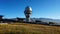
1, 18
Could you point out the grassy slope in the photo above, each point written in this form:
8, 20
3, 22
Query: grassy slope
23, 28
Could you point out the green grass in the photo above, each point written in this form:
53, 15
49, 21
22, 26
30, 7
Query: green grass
24, 28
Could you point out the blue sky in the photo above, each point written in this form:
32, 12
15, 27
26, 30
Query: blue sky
41, 8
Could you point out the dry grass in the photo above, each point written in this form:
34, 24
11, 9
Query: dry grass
24, 28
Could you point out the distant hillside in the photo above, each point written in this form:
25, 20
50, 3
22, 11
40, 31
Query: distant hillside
47, 19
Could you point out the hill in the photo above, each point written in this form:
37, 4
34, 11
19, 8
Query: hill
24, 28
47, 19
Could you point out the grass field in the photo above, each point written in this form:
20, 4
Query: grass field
24, 28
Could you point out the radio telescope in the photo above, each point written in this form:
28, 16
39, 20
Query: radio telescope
27, 12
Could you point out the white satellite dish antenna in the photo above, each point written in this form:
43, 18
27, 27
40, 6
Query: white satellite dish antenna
27, 12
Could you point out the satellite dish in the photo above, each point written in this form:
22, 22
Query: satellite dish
28, 10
